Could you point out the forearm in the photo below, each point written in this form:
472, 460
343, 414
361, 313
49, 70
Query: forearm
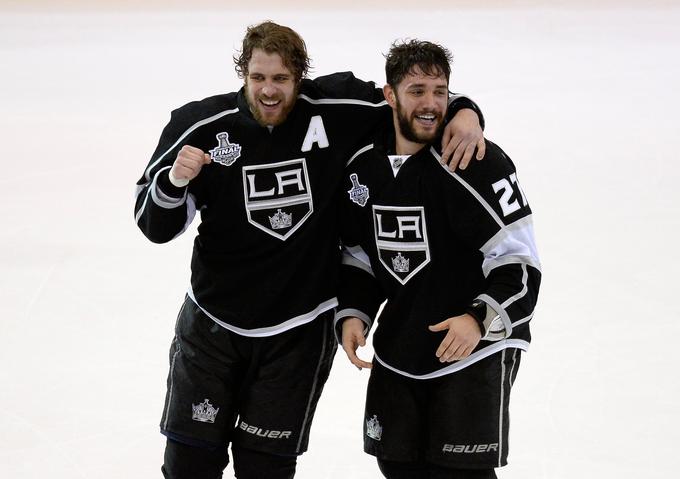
509, 300
359, 295
457, 102
163, 211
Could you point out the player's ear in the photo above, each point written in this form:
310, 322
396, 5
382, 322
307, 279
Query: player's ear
388, 91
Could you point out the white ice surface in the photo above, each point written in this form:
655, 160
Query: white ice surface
584, 101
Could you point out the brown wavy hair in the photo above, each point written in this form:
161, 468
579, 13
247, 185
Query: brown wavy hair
274, 38
405, 55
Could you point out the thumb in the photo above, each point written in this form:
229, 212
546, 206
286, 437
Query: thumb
361, 340
439, 326
206, 158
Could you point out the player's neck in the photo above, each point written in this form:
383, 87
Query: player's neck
407, 147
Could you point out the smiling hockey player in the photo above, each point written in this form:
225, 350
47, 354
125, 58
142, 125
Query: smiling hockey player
454, 256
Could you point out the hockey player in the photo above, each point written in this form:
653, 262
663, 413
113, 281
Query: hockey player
254, 341
454, 256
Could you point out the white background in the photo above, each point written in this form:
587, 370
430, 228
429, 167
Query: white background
583, 99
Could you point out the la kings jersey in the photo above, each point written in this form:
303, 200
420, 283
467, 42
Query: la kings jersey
431, 242
265, 258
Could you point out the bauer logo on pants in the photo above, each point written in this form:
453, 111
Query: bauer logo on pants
278, 196
401, 239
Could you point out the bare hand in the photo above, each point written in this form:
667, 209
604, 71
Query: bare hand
352, 338
461, 136
189, 162
460, 341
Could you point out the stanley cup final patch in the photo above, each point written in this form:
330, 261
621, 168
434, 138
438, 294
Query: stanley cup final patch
278, 196
358, 193
401, 240
225, 153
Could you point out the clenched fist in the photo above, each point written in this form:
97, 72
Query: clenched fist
188, 165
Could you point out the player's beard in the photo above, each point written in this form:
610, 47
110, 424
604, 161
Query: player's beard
267, 120
408, 128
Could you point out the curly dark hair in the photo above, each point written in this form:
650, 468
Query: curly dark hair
405, 55
274, 38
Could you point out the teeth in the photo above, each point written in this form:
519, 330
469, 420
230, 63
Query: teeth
426, 117
270, 102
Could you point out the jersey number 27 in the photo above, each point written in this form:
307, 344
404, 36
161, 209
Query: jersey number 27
509, 198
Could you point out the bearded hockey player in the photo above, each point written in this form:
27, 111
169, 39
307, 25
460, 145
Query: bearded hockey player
254, 341
453, 255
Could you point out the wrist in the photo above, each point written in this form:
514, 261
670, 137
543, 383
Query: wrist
488, 320
166, 185
177, 182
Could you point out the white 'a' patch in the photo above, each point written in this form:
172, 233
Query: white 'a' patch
278, 196
316, 133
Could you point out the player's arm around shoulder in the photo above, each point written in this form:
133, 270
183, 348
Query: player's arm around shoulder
491, 184
344, 85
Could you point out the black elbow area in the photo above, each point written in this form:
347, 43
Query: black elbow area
155, 235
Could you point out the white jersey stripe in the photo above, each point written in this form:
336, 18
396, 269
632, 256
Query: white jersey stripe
191, 213
512, 299
500, 414
523, 320
160, 198
472, 191
353, 261
463, 363
359, 152
341, 101
271, 330
490, 265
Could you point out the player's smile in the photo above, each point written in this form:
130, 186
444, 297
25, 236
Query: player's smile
428, 120
269, 105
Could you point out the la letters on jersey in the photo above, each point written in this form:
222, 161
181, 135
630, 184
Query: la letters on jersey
401, 239
278, 196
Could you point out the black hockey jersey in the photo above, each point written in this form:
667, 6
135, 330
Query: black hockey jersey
431, 242
266, 254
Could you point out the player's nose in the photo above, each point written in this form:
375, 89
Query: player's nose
268, 90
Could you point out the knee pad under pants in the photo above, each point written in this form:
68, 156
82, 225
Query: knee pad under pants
421, 470
249, 464
183, 461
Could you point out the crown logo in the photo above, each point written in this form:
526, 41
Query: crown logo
204, 412
400, 264
373, 428
281, 220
